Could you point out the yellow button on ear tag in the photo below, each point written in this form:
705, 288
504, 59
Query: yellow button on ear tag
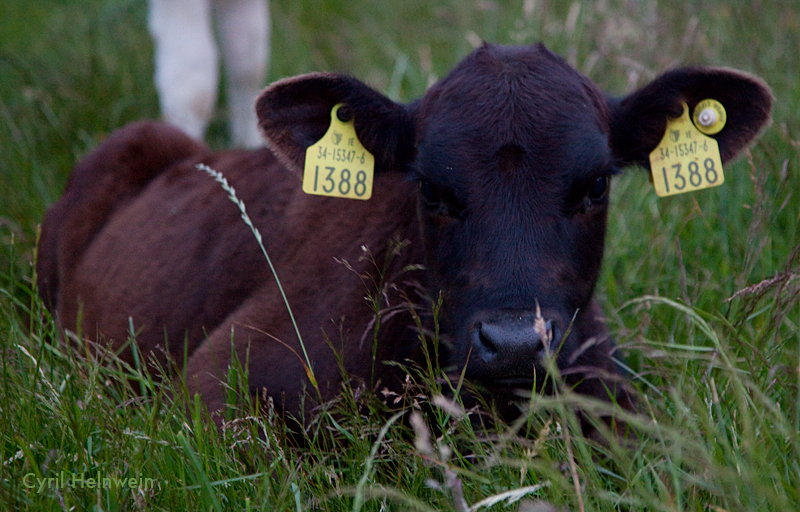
338, 165
709, 117
685, 160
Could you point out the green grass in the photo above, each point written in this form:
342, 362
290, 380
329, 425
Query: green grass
720, 425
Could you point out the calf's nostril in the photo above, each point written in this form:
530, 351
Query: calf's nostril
486, 336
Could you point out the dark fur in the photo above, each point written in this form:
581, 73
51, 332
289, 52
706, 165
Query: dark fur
493, 177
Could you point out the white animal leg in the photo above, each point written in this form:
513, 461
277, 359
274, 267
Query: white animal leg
187, 62
244, 30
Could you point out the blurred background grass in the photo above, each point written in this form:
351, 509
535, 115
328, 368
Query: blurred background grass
71, 72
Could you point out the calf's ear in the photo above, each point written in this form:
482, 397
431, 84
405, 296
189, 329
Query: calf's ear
294, 113
639, 120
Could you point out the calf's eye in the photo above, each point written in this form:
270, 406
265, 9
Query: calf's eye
428, 194
598, 188
437, 203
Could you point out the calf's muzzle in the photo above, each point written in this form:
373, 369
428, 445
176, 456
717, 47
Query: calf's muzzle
507, 346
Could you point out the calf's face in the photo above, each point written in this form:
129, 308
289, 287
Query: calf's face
513, 153
513, 165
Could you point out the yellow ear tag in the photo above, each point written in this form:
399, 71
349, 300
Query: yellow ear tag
685, 160
338, 165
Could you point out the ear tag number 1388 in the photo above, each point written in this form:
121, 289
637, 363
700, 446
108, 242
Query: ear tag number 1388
686, 159
338, 165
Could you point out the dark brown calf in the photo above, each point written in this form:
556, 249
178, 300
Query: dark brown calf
498, 177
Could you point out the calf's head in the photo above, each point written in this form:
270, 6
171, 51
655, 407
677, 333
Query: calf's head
513, 153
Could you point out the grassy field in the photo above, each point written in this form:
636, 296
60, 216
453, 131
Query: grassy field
701, 290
